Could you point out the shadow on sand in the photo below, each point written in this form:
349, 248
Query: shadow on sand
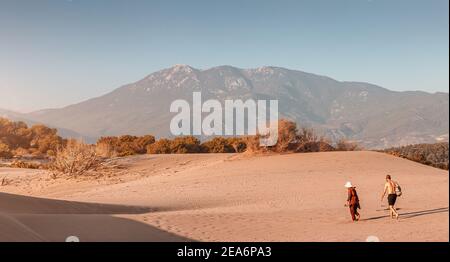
25, 218
413, 214
10, 203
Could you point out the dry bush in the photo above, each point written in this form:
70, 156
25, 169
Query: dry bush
307, 135
142, 142
253, 145
27, 165
162, 146
435, 155
21, 152
39, 140
325, 146
220, 145
108, 146
316, 146
190, 144
185, 144
287, 136
45, 140
309, 141
15, 134
238, 144
344, 145
75, 159
106, 150
291, 139
124, 145
179, 145
5, 152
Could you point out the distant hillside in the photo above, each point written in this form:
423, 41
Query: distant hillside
435, 155
10, 114
65, 133
368, 114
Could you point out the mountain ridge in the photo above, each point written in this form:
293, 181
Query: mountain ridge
369, 114
239, 68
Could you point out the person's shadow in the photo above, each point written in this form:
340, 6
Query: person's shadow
408, 215
25, 219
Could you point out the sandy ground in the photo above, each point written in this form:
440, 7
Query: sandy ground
223, 197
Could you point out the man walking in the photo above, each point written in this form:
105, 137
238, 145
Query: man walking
390, 187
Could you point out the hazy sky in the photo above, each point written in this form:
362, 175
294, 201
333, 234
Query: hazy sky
57, 52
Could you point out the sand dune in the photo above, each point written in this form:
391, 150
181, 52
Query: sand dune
35, 219
296, 197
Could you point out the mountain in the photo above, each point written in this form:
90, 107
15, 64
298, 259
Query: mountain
372, 115
10, 114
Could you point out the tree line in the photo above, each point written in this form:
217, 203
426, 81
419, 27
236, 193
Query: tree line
73, 157
17, 139
435, 155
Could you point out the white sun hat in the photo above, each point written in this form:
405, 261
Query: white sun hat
348, 184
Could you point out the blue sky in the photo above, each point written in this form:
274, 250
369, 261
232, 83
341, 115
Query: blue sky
57, 52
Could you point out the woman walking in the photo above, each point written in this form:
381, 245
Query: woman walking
353, 201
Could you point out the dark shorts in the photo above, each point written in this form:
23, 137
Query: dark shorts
391, 199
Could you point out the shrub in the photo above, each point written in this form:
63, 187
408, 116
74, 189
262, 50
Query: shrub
218, 145
344, 145
162, 146
185, 144
287, 136
435, 155
179, 145
142, 142
315, 146
38, 140
5, 152
75, 159
309, 141
124, 145
28, 165
45, 139
15, 134
252, 144
21, 152
224, 145
238, 144
107, 146
291, 139
106, 150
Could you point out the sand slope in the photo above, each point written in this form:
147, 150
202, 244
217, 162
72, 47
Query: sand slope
34, 219
297, 197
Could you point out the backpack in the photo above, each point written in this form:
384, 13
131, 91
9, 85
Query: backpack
398, 190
